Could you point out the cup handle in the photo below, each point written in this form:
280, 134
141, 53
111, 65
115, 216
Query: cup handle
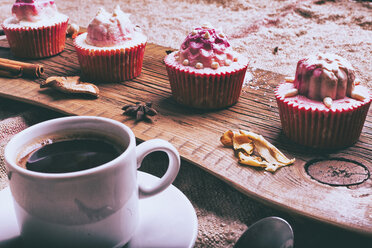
147, 147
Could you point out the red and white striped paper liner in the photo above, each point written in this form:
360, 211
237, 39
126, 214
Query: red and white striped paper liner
205, 90
111, 65
40, 42
319, 128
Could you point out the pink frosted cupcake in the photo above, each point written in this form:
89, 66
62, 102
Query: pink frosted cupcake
112, 49
36, 29
323, 107
206, 73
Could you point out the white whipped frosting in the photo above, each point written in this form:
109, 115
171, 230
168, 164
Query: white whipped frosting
35, 14
108, 29
50, 21
137, 38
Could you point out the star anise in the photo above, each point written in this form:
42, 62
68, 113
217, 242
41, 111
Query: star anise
141, 111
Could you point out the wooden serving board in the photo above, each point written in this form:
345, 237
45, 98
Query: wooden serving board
196, 135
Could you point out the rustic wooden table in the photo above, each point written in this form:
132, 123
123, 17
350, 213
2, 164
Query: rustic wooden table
196, 134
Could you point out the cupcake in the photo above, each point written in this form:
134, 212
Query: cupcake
112, 49
324, 107
36, 29
206, 73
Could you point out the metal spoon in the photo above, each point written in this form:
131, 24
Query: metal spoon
270, 232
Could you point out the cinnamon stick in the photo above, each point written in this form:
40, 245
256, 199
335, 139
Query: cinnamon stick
21, 68
8, 70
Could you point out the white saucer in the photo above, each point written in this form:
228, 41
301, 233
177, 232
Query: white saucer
166, 220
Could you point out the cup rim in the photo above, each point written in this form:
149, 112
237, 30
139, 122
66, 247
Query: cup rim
14, 167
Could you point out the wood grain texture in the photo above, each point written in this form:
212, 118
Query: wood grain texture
196, 134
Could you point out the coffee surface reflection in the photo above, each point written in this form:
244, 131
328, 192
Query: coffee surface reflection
69, 155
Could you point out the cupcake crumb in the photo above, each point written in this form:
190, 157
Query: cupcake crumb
358, 94
72, 30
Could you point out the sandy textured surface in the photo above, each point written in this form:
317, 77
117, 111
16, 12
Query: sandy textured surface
256, 28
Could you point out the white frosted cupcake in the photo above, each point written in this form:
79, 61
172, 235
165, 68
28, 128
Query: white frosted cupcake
36, 29
112, 49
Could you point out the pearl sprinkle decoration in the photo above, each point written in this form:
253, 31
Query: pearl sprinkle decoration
199, 65
186, 62
215, 65
328, 102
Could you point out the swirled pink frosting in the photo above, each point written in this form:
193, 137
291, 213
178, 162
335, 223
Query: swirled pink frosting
324, 75
107, 29
33, 10
205, 47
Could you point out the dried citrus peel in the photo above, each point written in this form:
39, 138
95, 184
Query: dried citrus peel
247, 142
252, 160
242, 142
227, 138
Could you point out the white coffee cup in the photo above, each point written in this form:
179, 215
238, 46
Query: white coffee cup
96, 207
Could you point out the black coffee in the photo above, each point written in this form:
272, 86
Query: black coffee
70, 155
